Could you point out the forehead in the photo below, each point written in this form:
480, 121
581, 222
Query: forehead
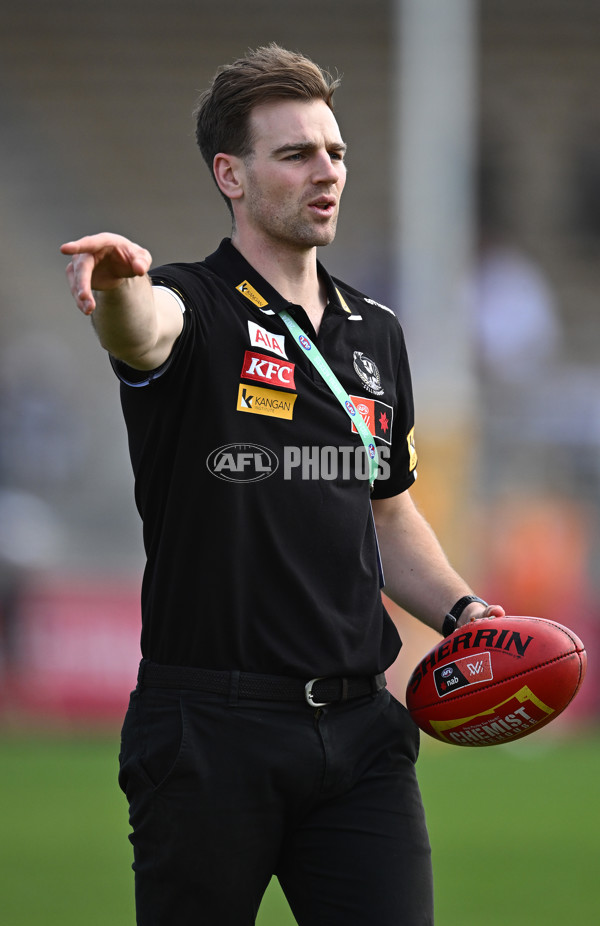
284, 122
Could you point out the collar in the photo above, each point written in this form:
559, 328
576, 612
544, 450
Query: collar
230, 265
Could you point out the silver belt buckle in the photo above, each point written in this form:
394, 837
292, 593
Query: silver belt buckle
309, 696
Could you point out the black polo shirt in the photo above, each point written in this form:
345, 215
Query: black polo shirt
252, 483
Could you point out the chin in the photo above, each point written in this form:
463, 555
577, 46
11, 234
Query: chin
324, 236
304, 235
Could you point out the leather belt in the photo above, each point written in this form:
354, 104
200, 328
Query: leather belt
317, 692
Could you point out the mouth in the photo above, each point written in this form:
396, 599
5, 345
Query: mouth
323, 205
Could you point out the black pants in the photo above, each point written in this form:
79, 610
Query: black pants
224, 795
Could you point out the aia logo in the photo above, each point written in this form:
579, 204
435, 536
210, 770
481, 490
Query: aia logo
242, 462
268, 370
266, 340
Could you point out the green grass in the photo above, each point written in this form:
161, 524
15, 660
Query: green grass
514, 830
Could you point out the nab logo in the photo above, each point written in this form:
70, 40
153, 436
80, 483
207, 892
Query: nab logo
266, 340
242, 463
466, 671
267, 370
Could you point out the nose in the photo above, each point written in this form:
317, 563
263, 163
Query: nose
326, 169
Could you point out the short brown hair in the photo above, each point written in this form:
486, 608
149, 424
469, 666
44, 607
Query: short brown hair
264, 74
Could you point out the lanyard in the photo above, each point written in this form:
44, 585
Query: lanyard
338, 390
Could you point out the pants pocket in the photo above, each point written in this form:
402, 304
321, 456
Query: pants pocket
152, 739
397, 715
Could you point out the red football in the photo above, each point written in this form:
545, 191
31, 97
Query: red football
495, 680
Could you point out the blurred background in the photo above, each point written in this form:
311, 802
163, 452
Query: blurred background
472, 208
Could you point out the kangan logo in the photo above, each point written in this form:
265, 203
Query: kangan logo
250, 293
367, 372
242, 462
255, 400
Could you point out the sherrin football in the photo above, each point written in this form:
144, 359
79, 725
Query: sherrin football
495, 680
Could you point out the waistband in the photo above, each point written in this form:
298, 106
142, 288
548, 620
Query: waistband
317, 692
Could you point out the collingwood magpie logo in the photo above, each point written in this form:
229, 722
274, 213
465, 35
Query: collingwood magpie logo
367, 372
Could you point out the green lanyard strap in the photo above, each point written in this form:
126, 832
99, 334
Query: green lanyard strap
338, 390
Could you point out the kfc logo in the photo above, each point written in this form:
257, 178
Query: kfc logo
268, 370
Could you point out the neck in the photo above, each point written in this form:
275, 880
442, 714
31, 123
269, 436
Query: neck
291, 271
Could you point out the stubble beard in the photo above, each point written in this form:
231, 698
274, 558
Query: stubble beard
289, 228
306, 234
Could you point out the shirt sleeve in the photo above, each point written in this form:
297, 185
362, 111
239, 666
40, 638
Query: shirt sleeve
167, 279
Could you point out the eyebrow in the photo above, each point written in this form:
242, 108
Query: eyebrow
308, 146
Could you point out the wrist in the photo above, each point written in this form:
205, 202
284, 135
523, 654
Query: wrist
451, 619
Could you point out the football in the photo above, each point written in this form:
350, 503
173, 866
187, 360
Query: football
496, 680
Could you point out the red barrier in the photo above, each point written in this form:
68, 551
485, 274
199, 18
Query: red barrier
76, 651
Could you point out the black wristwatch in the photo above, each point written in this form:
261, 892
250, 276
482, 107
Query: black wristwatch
451, 619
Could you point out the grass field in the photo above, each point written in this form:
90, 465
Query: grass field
515, 834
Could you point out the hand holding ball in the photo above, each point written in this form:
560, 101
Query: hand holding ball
496, 680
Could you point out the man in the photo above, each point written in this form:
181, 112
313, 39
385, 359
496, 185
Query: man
260, 738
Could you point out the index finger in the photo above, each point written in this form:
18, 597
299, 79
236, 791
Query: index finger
88, 244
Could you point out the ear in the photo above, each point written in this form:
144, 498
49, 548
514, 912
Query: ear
229, 174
